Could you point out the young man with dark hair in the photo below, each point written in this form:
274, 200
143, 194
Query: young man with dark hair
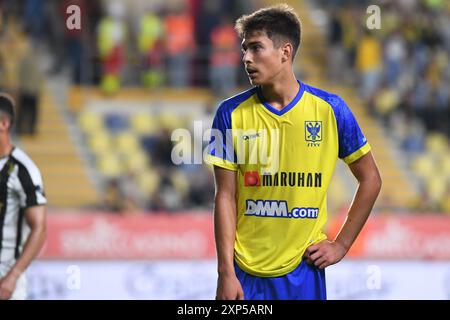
274, 149
22, 209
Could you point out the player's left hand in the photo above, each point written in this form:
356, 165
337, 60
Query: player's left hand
7, 286
325, 253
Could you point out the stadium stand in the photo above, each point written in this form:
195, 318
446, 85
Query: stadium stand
123, 131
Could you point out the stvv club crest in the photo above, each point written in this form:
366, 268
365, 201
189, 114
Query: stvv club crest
313, 131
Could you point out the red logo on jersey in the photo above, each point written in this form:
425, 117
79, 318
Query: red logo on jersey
252, 179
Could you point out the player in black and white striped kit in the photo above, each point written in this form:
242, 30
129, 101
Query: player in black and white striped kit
22, 210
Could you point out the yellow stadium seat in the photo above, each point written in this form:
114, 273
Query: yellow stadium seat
127, 143
424, 165
436, 188
170, 120
99, 142
445, 164
144, 123
90, 121
109, 165
437, 143
191, 116
136, 161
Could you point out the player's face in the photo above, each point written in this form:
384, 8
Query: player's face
262, 61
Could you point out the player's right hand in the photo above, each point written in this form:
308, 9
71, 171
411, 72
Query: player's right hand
229, 288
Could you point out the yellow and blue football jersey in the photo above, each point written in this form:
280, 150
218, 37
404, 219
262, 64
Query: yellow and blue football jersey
284, 160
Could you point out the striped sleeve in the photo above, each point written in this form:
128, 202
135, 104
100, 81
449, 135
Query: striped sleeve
32, 191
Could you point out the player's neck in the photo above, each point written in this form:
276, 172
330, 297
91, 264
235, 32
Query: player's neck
5, 145
281, 92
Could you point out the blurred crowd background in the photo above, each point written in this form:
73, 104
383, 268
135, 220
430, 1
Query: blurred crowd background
97, 106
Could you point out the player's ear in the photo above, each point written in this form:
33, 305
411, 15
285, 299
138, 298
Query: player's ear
4, 123
286, 51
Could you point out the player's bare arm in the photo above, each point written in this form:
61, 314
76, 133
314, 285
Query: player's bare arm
228, 286
36, 219
326, 253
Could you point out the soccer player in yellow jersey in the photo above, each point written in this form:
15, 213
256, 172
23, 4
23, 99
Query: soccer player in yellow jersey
274, 149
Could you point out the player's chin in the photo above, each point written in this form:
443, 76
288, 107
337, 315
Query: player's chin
254, 81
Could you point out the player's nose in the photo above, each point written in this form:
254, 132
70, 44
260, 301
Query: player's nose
246, 57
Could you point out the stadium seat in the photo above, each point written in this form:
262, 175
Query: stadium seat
109, 165
127, 143
170, 120
99, 142
437, 188
424, 165
144, 124
445, 164
90, 121
437, 143
148, 143
116, 123
136, 161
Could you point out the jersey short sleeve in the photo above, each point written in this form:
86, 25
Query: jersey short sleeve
220, 150
352, 142
31, 190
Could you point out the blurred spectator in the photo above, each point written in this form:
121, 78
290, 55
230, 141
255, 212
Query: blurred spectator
113, 197
74, 45
180, 43
349, 41
34, 19
395, 53
30, 82
404, 75
224, 59
413, 137
55, 34
369, 64
151, 42
207, 18
111, 46
132, 199
162, 151
12, 40
337, 59
386, 102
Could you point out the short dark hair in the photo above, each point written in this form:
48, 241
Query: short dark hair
7, 107
279, 22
